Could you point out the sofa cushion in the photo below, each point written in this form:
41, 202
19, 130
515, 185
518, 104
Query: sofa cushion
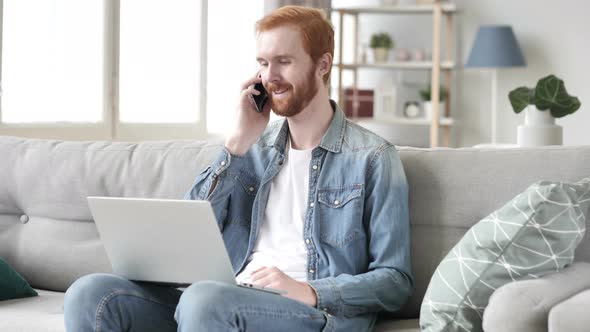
12, 285
43, 313
534, 234
524, 305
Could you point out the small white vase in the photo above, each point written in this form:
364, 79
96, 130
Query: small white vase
539, 129
381, 54
427, 106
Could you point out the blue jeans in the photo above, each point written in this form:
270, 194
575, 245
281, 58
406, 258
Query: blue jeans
104, 302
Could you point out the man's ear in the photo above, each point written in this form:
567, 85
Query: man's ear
324, 64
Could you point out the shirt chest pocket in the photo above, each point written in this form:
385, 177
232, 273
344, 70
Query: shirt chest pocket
248, 184
244, 195
340, 214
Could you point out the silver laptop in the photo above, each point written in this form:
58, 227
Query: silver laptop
174, 242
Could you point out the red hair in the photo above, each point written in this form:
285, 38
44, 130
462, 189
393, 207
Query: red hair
317, 33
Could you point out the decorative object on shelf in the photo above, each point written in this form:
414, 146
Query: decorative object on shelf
364, 54
381, 43
495, 46
425, 94
402, 54
543, 103
419, 54
386, 100
365, 103
412, 109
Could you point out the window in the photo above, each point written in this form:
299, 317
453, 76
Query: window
231, 57
52, 60
124, 69
159, 61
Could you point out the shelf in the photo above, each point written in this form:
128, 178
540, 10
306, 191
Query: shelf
440, 66
410, 65
447, 8
418, 121
445, 122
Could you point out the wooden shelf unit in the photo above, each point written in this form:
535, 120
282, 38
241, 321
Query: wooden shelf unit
436, 66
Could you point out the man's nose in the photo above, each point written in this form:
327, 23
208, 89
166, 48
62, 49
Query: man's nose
271, 74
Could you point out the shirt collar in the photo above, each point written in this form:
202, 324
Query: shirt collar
332, 139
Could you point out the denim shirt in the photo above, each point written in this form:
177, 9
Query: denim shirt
356, 225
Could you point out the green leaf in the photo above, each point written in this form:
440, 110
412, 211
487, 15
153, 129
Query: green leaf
569, 108
381, 39
550, 94
520, 98
426, 94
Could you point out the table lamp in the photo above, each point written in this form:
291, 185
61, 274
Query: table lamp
495, 46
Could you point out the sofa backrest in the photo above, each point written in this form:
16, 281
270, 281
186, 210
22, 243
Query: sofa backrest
452, 189
47, 182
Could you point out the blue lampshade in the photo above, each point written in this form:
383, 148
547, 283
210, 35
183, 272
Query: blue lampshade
495, 46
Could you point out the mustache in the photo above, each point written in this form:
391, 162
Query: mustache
272, 87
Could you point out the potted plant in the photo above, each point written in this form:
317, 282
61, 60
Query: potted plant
543, 103
425, 94
381, 43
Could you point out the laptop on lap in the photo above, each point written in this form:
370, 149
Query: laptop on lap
174, 242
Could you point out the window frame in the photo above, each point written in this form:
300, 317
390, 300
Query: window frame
110, 128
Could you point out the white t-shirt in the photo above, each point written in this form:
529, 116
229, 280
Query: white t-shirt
280, 240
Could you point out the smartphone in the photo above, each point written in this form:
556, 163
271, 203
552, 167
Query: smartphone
261, 99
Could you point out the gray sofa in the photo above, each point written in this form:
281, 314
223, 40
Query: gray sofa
47, 233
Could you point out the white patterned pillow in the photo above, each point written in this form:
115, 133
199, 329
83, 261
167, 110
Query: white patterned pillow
534, 234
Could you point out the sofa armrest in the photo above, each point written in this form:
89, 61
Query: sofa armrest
571, 315
524, 305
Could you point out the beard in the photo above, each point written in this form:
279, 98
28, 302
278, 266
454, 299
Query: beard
298, 99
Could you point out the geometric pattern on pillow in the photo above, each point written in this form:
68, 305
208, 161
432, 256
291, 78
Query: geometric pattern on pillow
534, 234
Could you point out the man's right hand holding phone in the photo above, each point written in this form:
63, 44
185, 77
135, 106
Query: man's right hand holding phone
250, 123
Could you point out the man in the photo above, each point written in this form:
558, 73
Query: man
312, 204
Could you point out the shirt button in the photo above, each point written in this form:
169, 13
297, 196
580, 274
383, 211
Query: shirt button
314, 167
311, 271
336, 202
307, 241
24, 219
251, 189
223, 163
311, 204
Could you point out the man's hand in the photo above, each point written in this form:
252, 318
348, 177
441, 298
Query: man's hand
250, 124
274, 278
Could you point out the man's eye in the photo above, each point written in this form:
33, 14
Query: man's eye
284, 62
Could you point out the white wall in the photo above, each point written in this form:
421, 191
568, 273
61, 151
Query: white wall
552, 36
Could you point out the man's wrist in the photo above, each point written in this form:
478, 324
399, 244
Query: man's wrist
313, 297
237, 145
